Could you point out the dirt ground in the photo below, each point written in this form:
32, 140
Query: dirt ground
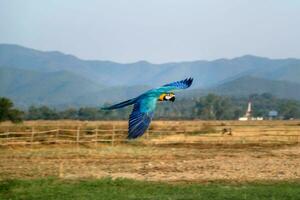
185, 162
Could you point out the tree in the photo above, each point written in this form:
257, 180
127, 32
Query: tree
289, 109
70, 113
42, 112
213, 107
87, 113
7, 112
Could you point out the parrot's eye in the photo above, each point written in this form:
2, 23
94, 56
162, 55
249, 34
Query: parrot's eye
170, 97
167, 97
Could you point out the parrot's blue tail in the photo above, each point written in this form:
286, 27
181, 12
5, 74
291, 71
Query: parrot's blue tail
120, 105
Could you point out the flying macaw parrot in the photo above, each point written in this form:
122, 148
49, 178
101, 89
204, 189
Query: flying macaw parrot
144, 106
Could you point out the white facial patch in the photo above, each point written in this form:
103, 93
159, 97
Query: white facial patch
169, 97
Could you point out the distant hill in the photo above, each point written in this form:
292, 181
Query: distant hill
50, 77
247, 85
27, 87
207, 73
59, 89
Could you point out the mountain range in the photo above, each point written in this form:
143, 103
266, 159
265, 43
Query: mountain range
33, 77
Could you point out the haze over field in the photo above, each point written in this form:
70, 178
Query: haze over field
73, 53
158, 31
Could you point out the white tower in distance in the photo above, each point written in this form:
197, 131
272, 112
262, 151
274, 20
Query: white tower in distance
249, 111
248, 114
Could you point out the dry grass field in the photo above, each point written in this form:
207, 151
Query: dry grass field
193, 151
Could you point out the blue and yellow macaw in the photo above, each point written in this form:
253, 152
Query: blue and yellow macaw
144, 106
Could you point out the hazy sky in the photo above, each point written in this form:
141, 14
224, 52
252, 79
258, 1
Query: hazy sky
154, 30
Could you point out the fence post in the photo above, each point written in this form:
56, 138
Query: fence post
147, 134
7, 135
96, 136
113, 136
56, 135
77, 136
32, 136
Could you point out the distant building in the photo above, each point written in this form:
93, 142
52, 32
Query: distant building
243, 119
273, 114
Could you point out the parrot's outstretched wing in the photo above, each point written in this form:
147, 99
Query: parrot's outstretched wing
183, 84
120, 105
178, 85
141, 116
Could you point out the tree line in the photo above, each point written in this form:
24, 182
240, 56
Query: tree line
8, 112
209, 107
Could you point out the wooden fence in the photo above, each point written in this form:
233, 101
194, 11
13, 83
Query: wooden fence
76, 136
116, 135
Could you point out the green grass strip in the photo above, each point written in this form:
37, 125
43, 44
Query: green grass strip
52, 188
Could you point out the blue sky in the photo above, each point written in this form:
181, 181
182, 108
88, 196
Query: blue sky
154, 30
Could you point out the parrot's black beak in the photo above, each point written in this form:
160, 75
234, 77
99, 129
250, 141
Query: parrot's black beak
172, 99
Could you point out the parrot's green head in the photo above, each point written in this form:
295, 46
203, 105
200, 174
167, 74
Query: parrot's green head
167, 97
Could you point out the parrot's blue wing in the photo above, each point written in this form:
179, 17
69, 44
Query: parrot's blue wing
141, 116
120, 105
180, 84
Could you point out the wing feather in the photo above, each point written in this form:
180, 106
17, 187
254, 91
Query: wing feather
140, 117
120, 105
183, 84
170, 87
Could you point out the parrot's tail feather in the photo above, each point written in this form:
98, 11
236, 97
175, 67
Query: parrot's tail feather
120, 105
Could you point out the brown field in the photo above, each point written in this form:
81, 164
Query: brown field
170, 151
